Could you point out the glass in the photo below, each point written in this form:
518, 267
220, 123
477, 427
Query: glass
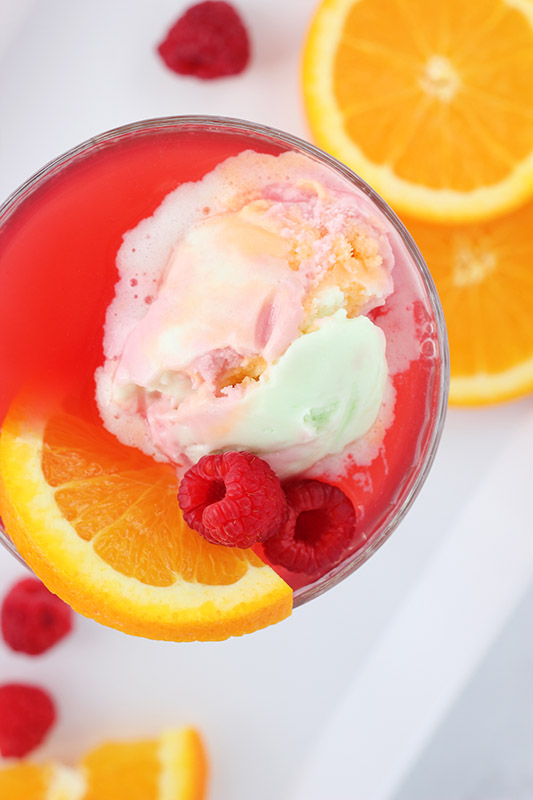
434, 347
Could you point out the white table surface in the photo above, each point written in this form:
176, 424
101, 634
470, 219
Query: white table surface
70, 69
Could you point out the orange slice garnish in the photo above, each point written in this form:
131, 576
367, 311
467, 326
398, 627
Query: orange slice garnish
99, 523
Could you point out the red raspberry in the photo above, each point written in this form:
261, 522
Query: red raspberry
209, 40
26, 715
319, 530
33, 619
233, 499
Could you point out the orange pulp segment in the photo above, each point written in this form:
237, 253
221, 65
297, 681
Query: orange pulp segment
122, 770
26, 781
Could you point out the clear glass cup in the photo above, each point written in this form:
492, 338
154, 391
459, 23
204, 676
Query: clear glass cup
260, 136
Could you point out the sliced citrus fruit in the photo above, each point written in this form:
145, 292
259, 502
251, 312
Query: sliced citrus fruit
431, 103
172, 767
99, 523
485, 281
26, 781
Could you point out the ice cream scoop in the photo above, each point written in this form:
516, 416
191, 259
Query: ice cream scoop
239, 320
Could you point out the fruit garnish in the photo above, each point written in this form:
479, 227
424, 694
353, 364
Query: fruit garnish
26, 781
26, 715
234, 499
319, 530
171, 767
485, 282
99, 523
209, 41
430, 103
33, 619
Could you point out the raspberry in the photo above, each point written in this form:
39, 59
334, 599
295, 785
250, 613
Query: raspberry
26, 715
319, 530
233, 499
33, 619
209, 40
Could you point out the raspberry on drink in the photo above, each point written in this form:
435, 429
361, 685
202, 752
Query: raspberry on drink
319, 529
233, 499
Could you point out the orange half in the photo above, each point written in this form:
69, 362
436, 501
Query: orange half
484, 276
431, 103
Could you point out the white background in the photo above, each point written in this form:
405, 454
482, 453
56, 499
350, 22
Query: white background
70, 69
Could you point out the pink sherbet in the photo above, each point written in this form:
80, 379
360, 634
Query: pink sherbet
218, 284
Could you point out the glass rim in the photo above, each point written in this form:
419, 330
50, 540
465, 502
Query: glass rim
231, 124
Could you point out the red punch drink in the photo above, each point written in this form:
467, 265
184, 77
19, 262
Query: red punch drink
188, 288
